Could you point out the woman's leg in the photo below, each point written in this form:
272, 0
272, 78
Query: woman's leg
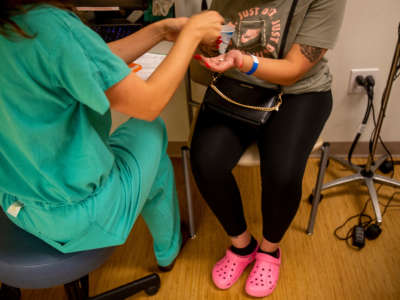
285, 144
143, 145
216, 147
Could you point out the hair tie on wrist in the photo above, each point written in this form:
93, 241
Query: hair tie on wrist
255, 65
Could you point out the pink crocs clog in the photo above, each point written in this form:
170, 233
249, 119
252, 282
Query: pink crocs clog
263, 277
228, 270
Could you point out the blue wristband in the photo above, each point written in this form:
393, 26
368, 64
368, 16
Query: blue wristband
255, 65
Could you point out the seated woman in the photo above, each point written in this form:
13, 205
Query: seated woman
62, 177
284, 142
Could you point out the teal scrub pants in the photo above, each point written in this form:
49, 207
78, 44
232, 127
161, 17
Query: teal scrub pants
140, 183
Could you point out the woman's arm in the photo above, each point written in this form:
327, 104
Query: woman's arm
146, 99
138, 43
299, 60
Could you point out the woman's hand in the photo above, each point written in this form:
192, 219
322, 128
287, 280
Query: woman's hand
222, 63
171, 27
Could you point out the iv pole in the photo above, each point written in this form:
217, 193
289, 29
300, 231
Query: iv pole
367, 173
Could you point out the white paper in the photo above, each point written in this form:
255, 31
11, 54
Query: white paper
149, 62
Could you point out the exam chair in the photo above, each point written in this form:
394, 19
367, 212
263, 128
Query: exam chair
250, 158
27, 262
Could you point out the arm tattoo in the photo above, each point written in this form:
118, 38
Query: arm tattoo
311, 53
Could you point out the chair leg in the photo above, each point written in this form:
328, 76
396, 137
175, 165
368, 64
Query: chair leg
318, 185
78, 289
185, 161
9, 293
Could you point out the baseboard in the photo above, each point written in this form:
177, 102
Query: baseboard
362, 149
337, 148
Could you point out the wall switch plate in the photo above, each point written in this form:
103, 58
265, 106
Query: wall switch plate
354, 88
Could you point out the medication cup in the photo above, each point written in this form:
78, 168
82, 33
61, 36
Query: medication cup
226, 36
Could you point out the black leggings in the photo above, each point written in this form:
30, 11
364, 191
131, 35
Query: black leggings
285, 143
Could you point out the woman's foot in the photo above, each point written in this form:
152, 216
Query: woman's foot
264, 276
228, 270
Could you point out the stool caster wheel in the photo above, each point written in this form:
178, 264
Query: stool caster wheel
152, 290
9, 293
311, 198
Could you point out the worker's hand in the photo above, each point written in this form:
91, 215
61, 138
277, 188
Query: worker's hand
222, 63
205, 26
171, 27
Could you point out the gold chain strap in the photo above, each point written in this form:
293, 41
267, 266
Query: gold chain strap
223, 96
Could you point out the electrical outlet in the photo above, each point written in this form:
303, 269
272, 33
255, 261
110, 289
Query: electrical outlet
354, 88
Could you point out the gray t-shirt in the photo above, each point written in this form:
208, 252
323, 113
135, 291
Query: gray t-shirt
260, 25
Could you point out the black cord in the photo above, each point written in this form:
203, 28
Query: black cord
387, 205
349, 234
380, 139
369, 87
397, 72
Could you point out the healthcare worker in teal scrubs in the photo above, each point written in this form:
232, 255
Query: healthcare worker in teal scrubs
63, 178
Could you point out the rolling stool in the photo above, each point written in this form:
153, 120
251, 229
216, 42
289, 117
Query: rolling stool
28, 262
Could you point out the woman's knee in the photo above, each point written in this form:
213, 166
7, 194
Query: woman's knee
198, 159
208, 161
284, 178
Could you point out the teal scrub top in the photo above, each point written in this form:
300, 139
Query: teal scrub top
55, 117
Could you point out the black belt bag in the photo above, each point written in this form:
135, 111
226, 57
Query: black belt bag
245, 102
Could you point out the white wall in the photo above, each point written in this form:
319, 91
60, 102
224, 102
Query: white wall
367, 40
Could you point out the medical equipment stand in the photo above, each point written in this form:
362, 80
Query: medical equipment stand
367, 172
